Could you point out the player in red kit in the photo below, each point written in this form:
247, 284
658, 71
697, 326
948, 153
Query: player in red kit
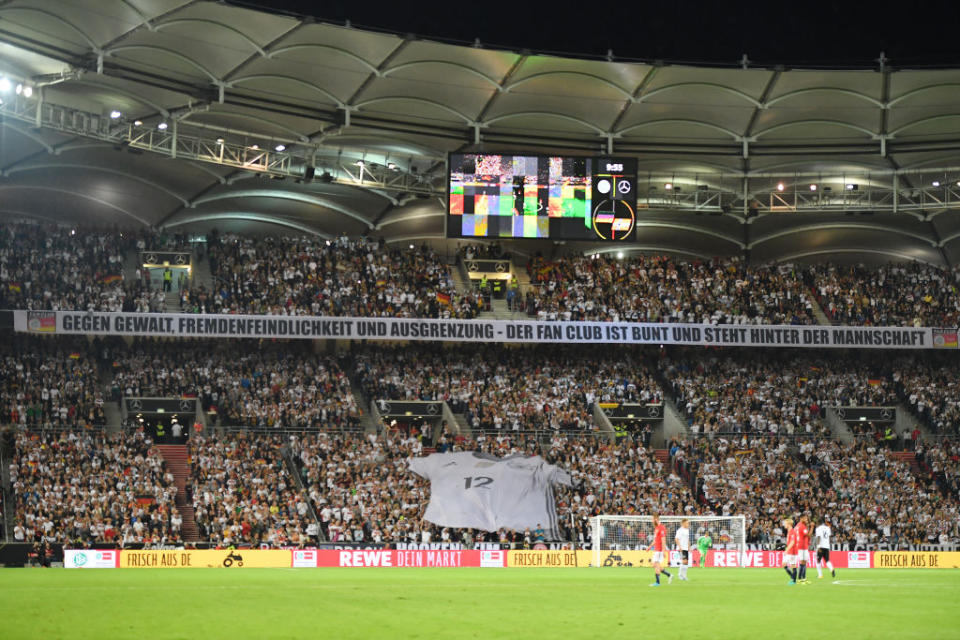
789, 554
802, 537
659, 546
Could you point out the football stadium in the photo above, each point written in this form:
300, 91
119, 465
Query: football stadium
315, 329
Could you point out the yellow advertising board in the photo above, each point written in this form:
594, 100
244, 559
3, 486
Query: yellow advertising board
565, 559
916, 560
205, 558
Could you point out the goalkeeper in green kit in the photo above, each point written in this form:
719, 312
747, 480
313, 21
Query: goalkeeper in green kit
704, 542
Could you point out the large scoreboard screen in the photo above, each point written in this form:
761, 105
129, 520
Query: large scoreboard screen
554, 197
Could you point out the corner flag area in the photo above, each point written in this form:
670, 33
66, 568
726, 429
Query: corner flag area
474, 603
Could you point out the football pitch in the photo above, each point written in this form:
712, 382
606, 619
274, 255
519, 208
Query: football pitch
474, 603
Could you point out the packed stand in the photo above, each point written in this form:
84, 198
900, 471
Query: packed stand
776, 392
362, 490
49, 267
869, 496
942, 461
310, 276
243, 493
515, 389
913, 294
242, 383
931, 389
746, 394
84, 488
490, 251
661, 289
50, 382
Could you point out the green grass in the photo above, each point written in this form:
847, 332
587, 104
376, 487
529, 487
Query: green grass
474, 603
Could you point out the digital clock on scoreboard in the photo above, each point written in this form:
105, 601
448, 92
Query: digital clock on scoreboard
552, 197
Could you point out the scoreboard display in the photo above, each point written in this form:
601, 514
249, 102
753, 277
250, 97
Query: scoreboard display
552, 197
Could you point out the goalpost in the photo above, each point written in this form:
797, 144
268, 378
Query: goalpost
616, 539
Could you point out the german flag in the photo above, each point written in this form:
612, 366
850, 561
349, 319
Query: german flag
75, 355
110, 279
874, 382
443, 298
15, 286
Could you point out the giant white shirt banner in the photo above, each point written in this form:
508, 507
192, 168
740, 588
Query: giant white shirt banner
479, 491
184, 325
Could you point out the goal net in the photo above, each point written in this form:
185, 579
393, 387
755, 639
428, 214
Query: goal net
621, 541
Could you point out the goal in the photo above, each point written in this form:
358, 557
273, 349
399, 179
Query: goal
621, 540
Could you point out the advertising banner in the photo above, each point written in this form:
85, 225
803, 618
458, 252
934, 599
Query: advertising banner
187, 325
206, 558
91, 558
305, 558
493, 559
549, 559
559, 559
916, 559
854, 559
767, 559
393, 558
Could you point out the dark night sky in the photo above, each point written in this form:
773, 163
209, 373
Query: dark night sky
845, 33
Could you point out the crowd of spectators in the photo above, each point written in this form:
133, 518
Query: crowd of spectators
54, 267
868, 495
662, 289
310, 276
775, 391
942, 461
516, 389
489, 251
914, 294
243, 493
45, 266
92, 488
930, 388
362, 490
84, 488
49, 382
242, 383
748, 392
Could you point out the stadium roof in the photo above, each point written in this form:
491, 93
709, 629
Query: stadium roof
742, 148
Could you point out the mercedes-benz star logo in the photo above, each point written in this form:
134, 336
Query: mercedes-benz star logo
886, 414
654, 412
624, 186
472, 266
842, 413
181, 259
385, 406
432, 409
501, 267
151, 258
185, 404
135, 404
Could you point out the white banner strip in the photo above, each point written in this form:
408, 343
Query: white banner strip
180, 325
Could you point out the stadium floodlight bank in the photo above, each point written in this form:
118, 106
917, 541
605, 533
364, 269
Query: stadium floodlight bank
635, 533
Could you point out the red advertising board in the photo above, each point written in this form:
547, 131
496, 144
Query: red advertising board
392, 558
840, 559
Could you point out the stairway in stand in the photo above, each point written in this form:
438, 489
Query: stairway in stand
910, 458
663, 455
175, 455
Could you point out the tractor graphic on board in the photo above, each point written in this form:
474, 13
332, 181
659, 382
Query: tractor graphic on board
231, 558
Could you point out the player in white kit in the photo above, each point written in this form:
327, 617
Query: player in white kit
822, 535
682, 540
